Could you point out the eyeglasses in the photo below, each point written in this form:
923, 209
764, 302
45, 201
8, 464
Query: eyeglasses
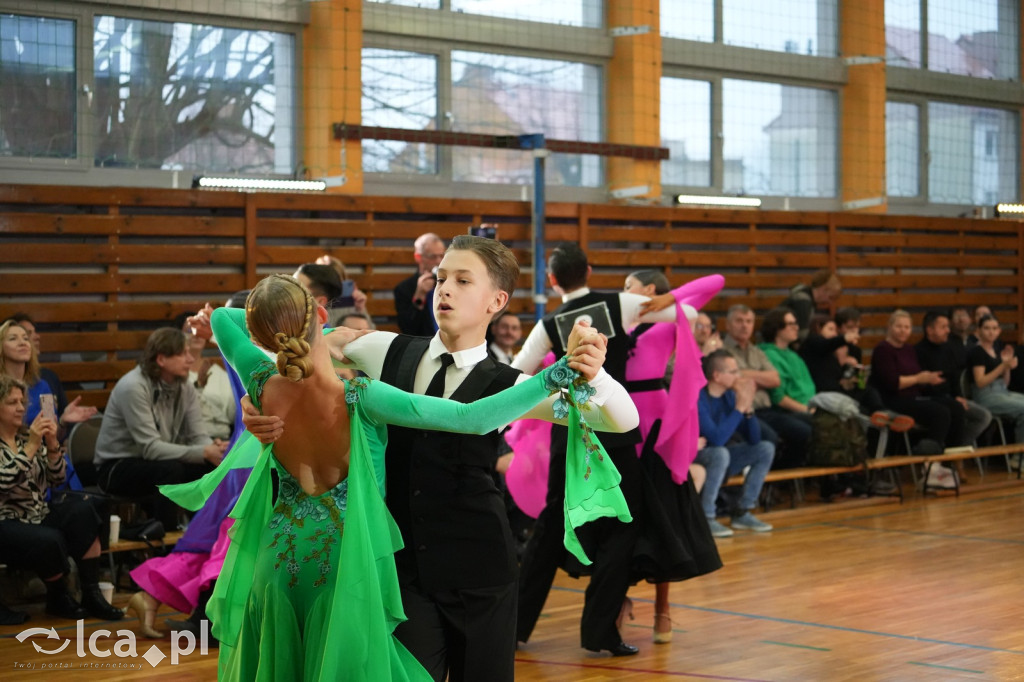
792, 323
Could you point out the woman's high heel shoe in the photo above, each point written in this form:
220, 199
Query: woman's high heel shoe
144, 607
625, 612
662, 628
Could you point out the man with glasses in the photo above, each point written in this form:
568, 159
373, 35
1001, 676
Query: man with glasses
414, 296
727, 421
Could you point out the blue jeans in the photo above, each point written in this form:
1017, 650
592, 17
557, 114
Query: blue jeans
1003, 403
724, 461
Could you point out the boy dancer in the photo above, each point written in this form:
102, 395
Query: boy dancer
458, 568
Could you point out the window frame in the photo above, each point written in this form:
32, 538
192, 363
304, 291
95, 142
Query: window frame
39, 170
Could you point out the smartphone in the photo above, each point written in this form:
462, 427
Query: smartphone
346, 299
47, 406
486, 231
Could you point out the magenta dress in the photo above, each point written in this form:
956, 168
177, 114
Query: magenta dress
675, 541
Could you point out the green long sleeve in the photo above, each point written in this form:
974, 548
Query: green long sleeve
251, 363
385, 404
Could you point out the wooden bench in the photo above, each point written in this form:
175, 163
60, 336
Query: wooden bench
879, 463
977, 453
169, 540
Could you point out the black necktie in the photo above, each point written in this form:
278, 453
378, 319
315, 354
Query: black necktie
436, 387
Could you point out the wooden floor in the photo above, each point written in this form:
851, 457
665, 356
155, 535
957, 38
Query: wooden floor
932, 589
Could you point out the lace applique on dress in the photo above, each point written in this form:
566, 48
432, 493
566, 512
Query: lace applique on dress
294, 508
352, 388
258, 377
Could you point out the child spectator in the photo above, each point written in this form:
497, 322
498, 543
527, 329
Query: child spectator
726, 409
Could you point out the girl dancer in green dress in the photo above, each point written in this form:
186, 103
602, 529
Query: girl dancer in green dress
309, 589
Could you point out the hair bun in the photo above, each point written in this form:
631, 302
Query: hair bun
293, 359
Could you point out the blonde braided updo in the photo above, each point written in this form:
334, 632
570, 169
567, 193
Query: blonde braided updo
279, 313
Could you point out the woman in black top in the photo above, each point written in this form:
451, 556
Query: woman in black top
991, 362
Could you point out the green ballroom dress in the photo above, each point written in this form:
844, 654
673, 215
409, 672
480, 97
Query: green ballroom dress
309, 589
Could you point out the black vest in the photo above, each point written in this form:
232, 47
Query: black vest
440, 488
615, 361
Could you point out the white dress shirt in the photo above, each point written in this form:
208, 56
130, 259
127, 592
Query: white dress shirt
538, 344
614, 411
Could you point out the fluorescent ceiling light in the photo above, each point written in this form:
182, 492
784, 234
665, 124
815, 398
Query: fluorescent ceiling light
1009, 209
732, 202
202, 182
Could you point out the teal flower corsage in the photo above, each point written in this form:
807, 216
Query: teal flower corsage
559, 375
574, 389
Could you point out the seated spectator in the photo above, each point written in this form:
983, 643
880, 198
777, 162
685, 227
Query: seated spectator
979, 312
897, 374
505, 332
991, 363
705, 333
152, 431
414, 295
821, 351
19, 359
727, 422
806, 299
936, 353
792, 396
847, 321
755, 365
960, 325
37, 535
359, 297
45, 373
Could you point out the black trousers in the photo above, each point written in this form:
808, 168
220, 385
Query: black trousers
941, 416
608, 543
138, 478
462, 635
68, 530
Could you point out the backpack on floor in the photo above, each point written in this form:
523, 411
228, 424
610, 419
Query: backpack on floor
836, 442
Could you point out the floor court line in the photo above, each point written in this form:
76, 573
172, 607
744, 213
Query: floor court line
945, 667
824, 626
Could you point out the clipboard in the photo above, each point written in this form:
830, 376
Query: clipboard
597, 314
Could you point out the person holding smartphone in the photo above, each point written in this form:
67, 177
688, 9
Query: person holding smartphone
414, 295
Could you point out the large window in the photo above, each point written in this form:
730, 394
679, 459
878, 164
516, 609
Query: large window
779, 139
973, 157
686, 132
977, 38
485, 93
505, 95
177, 95
902, 149
399, 91
38, 113
807, 27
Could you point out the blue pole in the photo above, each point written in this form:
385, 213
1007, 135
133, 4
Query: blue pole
540, 153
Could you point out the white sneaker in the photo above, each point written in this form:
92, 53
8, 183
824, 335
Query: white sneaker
941, 477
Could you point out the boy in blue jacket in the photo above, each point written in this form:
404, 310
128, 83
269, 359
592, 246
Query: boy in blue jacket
727, 422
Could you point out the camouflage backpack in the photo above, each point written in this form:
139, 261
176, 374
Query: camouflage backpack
836, 442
